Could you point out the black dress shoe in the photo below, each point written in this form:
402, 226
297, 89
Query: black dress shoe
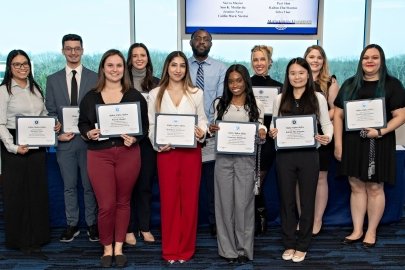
92, 232
213, 230
348, 241
369, 245
106, 261
243, 259
316, 234
121, 260
231, 260
69, 234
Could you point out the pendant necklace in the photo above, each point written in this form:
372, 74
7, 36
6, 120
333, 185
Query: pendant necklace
297, 103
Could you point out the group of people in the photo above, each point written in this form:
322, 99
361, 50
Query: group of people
117, 174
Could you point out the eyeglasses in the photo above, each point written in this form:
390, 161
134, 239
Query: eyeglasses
75, 49
17, 65
199, 39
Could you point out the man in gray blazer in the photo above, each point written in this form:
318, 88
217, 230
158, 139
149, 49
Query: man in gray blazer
67, 87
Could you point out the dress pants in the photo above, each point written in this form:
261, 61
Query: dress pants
179, 172
234, 205
73, 166
113, 173
300, 166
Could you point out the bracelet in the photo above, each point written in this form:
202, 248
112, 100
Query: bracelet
379, 133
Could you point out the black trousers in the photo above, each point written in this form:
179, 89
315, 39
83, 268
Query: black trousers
141, 201
25, 195
294, 166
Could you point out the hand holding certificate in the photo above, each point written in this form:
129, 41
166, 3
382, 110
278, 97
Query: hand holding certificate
365, 113
295, 131
176, 130
36, 131
236, 137
117, 119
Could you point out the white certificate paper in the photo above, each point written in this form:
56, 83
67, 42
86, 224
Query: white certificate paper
36, 131
266, 95
295, 131
365, 113
236, 138
117, 119
176, 130
70, 116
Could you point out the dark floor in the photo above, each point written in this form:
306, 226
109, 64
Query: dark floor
326, 252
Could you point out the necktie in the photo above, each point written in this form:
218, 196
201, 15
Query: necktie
73, 90
200, 76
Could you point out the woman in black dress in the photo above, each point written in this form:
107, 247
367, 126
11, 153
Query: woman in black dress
261, 62
368, 157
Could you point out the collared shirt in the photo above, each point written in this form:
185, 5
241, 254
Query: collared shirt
69, 76
214, 75
20, 102
191, 104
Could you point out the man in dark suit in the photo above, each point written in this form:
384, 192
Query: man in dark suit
64, 88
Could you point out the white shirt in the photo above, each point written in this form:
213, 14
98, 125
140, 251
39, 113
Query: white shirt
69, 76
191, 104
20, 102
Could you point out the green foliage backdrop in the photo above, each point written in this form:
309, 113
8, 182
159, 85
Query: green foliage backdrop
48, 63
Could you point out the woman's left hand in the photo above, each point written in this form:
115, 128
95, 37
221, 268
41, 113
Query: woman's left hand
199, 133
372, 133
262, 134
128, 140
322, 139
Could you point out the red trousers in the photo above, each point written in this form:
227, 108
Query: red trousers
179, 172
113, 173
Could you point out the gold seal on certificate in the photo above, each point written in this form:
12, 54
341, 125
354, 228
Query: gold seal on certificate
117, 119
36, 131
296, 131
236, 137
176, 130
365, 113
266, 95
70, 117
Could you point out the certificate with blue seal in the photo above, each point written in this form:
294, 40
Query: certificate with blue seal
236, 137
117, 119
36, 131
297, 131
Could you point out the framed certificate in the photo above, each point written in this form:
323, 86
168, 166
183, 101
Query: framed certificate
176, 130
70, 118
117, 119
365, 113
236, 138
266, 95
36, 131
296, 131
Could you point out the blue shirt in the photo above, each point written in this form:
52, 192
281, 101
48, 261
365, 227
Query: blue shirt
214, 75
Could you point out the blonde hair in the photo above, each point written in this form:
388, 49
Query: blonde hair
266, 50
324, 78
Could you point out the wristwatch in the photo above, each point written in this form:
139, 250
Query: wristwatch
379, 133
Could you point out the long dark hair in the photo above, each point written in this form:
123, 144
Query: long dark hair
225, 100
308, 100
351, 87
164, 82
147, 83
8, 75
125, 82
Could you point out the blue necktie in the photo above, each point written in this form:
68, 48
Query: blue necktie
200, 76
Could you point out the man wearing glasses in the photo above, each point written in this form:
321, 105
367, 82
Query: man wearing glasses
64, 88
207, 74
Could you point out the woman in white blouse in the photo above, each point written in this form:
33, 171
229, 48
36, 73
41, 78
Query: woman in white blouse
24, 174
179, 169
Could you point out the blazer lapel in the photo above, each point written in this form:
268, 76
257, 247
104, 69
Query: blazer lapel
63, 85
